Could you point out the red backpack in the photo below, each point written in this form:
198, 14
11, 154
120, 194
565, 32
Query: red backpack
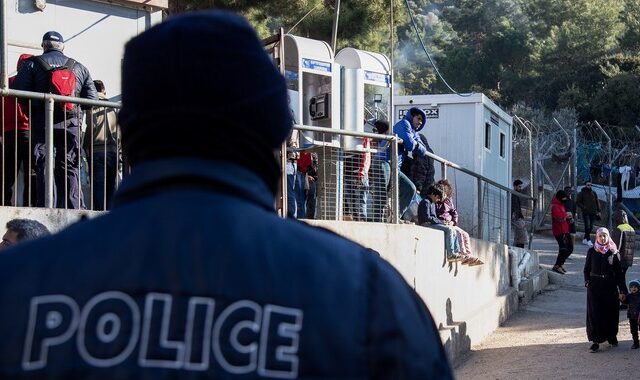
62, 81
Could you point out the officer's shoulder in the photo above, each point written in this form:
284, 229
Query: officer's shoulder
327, 235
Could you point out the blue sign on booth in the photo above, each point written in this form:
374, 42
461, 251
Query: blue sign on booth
377, 77
316, 65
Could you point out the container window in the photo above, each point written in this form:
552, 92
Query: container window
487, 136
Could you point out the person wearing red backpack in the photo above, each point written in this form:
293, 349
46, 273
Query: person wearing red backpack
16, 144
53, 72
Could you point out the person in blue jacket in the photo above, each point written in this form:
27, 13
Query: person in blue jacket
193, 274
407, 129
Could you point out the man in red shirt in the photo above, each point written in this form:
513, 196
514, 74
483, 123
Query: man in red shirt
16, 147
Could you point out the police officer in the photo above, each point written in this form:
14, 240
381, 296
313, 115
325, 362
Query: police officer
193, 273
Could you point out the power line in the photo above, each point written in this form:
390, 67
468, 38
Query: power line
433, 64
303, 17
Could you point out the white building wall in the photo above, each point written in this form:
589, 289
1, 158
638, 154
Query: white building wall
95, 33
457, 134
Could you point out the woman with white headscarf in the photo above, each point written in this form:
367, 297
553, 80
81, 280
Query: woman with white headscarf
605, 286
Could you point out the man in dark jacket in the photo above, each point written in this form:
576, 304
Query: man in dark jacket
192, 274
422, 168
66, 129
520, 237
570, 207
588, 203
625, 238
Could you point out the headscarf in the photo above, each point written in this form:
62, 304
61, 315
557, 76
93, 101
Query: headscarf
609, 245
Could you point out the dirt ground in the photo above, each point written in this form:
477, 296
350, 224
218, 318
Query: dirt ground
546, 339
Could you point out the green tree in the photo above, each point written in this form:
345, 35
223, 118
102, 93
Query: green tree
630, 38
617, 103
579, 33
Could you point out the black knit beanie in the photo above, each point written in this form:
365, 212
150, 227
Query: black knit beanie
201, 85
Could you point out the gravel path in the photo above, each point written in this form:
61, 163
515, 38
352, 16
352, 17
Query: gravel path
546, 339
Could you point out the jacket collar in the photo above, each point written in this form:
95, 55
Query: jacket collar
153, 177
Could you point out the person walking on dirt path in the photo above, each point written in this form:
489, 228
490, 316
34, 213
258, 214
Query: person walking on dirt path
605, 286
625, 238
570, 207
588, 203
560, 220
520, 237
633, 313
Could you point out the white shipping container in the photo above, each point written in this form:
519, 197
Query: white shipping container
475, 133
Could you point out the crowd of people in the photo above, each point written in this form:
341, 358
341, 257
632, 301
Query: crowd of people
81, 134
192, 273
366, 178
609, 257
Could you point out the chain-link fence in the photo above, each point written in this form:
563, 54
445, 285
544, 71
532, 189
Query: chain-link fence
558, 152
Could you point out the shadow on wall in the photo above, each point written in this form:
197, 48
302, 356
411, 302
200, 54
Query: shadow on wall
452, 266
457, 341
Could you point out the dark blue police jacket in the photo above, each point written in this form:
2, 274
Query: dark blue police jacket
193, 275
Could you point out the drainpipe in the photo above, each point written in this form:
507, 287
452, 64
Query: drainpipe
48, 164
4, 81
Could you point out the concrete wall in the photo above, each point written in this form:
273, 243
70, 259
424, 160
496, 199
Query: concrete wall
54, 219
467, 303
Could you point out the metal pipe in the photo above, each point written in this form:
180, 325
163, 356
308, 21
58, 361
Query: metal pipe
59, 98
531, 163
395, 191
283, 148
480, 224
609, 195
341, 132
4, 80
334, 32
391, 111
574, 160
531, 224
48, 163
398, 140
563, 130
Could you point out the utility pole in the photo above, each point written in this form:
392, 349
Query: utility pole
334, 34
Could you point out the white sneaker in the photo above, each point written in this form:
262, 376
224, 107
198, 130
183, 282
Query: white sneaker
585, 241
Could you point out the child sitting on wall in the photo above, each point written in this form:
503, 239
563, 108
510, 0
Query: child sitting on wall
447, 212
428, 217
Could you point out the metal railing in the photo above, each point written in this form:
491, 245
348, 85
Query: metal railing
484, 205
350, 175
347, 179
68, 165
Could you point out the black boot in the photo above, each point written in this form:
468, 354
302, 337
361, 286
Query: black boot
594, 347
636, 345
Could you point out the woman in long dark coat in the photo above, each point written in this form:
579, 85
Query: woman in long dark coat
605, 286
